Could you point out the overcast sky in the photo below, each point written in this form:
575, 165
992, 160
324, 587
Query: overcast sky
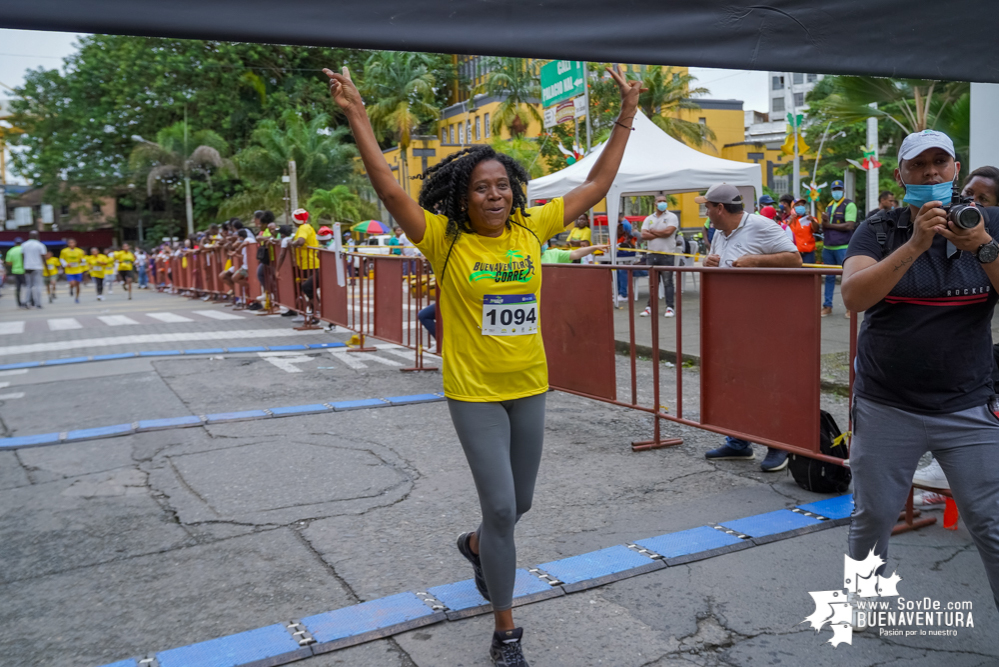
22, 50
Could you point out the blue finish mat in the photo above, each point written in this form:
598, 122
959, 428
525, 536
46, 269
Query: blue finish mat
839, 507
595, 564
365, 617
770, 523
233, 650
686, 542
463, 595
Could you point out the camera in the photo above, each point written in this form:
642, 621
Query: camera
963, 212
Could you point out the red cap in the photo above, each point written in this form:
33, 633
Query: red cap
325, 231
769, 212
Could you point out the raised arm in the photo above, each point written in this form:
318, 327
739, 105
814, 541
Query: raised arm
601, 176
406, 212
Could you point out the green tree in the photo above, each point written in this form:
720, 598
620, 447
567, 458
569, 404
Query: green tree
177, 155
322, 158
669, 93
338, 203
516, 82
523, 150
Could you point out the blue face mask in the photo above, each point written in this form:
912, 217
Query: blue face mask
837, 195
917, 195
800, 210
544, 248
661, 206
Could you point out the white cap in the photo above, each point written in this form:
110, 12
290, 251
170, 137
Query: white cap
917, 142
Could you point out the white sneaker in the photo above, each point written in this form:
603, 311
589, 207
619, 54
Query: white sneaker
669, 313
298, 318
928, 499
932, 476
646, 312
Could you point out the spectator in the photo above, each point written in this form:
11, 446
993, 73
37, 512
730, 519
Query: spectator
267, 240
580, 235
786, 207
551, 255
886, 201
33, 254
767, 208
983, 185
71, 259
142, 266
745, 240
838, 222
394, 242
659, 229
803, 228
306, 258
627, 241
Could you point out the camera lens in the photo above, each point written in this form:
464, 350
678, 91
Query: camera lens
968, 217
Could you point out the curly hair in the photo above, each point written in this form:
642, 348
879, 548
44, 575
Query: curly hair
445, 186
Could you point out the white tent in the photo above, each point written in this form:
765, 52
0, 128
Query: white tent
653, 162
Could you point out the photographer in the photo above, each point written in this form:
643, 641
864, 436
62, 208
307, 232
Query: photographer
924, 353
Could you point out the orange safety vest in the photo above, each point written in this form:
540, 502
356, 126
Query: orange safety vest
804, 239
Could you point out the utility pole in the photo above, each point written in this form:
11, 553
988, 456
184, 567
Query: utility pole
586, 96
286, 179
293, 176
872, 172
789, 96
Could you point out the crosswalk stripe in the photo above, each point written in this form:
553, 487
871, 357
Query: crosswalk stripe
218, 315
8, 397
116, 320
64, 323
169, 317
12, 327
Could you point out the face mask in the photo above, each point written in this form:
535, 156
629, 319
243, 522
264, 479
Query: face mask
837, 194
800, 210
661, 206
544, 248
917, 195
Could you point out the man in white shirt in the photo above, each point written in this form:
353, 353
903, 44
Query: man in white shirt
659, 229
745, 240
33, 254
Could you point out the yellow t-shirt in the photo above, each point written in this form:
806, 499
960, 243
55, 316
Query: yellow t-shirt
51, 267
73, 258
579, 234
125, 260
109, 265
480, 368
307, 258
97, 265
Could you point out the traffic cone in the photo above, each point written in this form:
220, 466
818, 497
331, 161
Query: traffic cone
950, 515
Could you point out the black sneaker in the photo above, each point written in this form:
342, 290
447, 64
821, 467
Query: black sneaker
506, 651
255, 306
473, 558
289, 313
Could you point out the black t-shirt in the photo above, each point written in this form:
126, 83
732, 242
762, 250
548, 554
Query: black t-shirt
927, 346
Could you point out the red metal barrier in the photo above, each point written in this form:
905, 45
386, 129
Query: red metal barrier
333, 304
387, 294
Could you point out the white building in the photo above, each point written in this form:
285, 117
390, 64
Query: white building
784, 93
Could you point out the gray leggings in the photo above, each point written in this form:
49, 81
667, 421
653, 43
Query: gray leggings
502, 442
887, 444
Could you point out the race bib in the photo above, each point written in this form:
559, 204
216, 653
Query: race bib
509, 315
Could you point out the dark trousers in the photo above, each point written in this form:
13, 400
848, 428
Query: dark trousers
20, 282
99, 284
428, 318
666, 277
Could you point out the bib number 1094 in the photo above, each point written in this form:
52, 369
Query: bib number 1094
509, 315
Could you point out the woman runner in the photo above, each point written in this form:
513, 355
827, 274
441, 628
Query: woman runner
473, 224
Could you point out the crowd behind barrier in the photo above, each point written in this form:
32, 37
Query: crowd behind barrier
746, 317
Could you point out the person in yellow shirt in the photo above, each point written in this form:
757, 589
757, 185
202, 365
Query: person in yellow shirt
306, 256
473, 225
125, 260
71, 259
98, 262
581, 234
51, 274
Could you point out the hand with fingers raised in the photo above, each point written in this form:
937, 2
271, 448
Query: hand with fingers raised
343, 91
630, 91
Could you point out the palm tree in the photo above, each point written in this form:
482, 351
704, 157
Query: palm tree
179, 153
401, 89
339, 203
515, 80
668, 93
322, 160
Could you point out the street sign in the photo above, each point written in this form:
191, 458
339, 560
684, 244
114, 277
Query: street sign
559, 113
561, 80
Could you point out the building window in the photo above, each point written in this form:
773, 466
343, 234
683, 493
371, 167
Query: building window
96, 207
799, 99
782, 185
702, 120
452, 134
461, 134
468, 130
778, 104
797, 78
812, 78
702, 211
487, 128
778, 83
64, 209
478, 128
443, 135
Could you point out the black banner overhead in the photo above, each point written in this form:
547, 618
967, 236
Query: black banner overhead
898, 38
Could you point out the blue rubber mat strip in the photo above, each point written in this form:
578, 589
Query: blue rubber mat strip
417, 398
109, 357
208, 350
252, 348
170, 422
770, 523
233, 650
99, 432
71, 360
323, 346
595, 564
839, 507
365, 617
299, 410
686, 542
357, 405
22, 364
157, 353
398, 613
222, 417
29, 440
287, 348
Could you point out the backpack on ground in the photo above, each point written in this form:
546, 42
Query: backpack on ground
820, 476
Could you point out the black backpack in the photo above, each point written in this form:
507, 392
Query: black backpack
819, 476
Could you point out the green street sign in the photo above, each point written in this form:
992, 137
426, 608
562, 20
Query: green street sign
561, 80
